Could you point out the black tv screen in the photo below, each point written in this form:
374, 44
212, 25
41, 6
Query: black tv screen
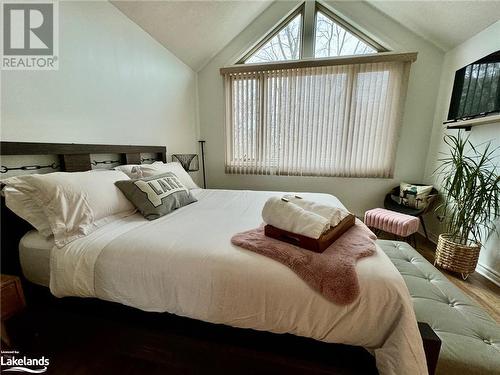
476, 91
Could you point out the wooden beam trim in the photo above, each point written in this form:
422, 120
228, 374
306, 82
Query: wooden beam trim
34, 148
312, 63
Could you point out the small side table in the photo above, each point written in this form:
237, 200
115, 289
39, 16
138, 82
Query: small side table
12, 302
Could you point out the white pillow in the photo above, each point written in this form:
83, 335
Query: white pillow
149, 170
131, 170
77, 203
26, 208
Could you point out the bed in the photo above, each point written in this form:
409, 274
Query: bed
184, 264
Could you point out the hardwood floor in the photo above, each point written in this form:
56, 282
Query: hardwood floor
479, 288
91, 337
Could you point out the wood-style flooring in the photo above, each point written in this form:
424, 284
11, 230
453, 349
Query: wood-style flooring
96, 337
484, 292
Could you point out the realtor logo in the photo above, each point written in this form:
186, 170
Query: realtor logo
12, 362
29, 40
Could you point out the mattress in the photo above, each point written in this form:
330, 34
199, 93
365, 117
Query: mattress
184, 263
34, 255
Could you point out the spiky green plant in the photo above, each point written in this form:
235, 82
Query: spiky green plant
471, 187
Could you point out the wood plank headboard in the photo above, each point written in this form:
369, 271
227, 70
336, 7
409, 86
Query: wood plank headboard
72, 158
75, 157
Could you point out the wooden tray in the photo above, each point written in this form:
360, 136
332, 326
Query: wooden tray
317, 245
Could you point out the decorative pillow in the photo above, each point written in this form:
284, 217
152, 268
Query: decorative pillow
76, 203
414, 196
26, 208
174, 167
157, 195
131, 170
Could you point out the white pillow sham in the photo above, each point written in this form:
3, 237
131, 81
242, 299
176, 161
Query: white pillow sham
26, 208
131, 170
149, 170
77, 203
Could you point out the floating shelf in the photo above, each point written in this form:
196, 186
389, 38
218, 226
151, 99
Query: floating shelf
468, 124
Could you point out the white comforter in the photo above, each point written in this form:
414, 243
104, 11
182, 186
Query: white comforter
184, 263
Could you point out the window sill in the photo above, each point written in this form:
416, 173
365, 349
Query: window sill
467, 124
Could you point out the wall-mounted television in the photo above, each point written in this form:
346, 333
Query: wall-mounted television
476, 90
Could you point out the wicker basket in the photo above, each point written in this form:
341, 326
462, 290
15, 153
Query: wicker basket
456, 257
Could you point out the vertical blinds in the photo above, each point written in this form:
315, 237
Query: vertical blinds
338, 120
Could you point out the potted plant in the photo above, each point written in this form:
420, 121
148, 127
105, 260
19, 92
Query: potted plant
470, 188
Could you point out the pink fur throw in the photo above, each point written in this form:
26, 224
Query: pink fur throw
331, 273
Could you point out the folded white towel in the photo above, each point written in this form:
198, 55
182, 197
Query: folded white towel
290, 217
333, 214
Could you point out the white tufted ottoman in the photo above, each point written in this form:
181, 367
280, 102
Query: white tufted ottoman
470, 337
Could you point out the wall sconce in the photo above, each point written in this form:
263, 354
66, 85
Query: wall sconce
189, 162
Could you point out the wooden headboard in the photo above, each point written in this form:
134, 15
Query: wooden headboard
71, 157
75, 157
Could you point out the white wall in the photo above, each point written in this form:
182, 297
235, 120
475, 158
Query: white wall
359, 194
115, 84
480, 45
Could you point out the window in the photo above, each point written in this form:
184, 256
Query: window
332, 37
476, 91
334, 40
327, 120
334, 116
285, 45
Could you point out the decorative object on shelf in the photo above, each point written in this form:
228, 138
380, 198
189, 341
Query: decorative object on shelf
471, 189
188, 161
202, 145
105, 162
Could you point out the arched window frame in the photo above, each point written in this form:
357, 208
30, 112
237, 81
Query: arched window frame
276, 30
309, 11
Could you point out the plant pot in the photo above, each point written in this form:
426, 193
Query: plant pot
456, 257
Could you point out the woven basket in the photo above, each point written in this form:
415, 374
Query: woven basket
456, 257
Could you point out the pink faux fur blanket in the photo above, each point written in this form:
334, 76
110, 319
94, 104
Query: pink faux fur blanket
332, 273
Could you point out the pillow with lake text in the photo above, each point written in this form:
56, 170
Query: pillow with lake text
157, 195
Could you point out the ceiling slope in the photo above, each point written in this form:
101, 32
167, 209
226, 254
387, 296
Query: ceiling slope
194, 31
444, 23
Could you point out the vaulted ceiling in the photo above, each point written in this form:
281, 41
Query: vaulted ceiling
195, 31
444, 23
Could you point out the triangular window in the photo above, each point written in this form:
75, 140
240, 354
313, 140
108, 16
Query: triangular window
334, 40
311, 32
282, 44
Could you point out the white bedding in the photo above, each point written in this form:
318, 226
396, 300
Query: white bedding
34, 255
184, 263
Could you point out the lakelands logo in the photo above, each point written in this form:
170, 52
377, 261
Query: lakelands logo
30, 35
11, 363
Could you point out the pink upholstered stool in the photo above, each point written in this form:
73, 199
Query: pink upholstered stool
396, 223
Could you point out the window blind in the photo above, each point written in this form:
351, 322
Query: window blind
337, 119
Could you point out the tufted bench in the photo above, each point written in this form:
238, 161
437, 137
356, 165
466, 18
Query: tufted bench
470, 338
396, 223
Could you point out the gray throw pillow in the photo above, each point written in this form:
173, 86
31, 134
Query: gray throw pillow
157, 195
